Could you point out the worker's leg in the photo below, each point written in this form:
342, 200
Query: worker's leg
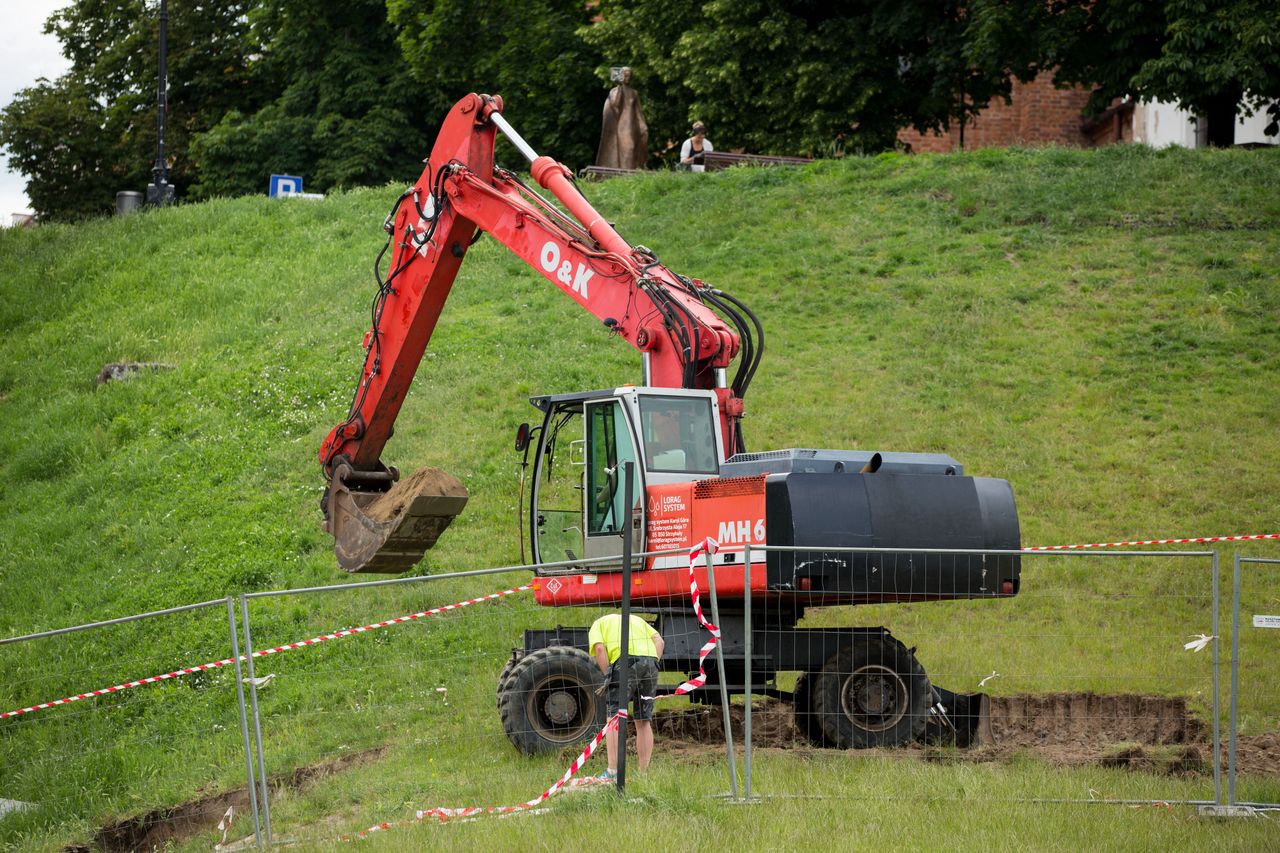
646, 692
611, 748
615, 697
644, 742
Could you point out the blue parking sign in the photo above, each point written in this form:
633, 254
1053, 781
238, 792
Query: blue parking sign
284, 185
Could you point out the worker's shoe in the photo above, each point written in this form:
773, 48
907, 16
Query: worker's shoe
608, 776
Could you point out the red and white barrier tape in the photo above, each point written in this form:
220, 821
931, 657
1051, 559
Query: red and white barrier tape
1253, 536
707, 548
442, 813
435, 611
262, 652
224, 826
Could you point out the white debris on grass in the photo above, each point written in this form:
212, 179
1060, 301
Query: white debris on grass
7, 806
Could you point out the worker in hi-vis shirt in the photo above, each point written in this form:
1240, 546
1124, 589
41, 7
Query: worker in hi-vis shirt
645, 647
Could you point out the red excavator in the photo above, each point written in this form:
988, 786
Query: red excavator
681, 429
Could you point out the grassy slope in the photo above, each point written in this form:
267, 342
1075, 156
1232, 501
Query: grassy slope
1097, 327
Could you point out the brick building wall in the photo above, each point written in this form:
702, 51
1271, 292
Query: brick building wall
1038, 114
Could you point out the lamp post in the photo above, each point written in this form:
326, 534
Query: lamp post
160, 191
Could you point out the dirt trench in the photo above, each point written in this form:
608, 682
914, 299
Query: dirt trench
1149, 733
153, 830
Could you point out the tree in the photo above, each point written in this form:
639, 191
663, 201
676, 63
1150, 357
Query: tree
92, 132
343, 110
54, 134
528, 51
1208, 56
788, 77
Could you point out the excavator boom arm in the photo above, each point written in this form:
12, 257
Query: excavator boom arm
460, 195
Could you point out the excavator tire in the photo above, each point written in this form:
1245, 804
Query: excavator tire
506, 674
807, 720
872, 692
549, 700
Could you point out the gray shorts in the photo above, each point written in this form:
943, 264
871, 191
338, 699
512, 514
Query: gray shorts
644, 687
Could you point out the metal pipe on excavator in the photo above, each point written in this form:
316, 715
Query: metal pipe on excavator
515, 138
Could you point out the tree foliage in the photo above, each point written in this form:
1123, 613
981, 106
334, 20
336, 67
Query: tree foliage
348, 93
787, 77
527, 51
92, 132
343, 110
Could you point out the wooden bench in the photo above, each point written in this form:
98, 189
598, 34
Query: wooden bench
601, 173
717, 160
714, 161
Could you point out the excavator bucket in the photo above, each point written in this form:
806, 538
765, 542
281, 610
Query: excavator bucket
962, 719
388, 532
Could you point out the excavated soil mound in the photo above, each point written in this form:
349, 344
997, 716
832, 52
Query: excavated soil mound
1156, 734
424, 481
1257, 755
1078, 719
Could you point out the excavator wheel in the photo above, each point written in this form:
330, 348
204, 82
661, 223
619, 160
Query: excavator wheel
506, 674
807, 720
549, 700
872, 692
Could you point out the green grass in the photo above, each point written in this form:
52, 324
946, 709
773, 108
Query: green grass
827, 801
1097, 327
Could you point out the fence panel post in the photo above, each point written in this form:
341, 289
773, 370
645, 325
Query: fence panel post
244, 722
1235, 680
1217, 699
257, 718
746, 653
624, 638
724, 688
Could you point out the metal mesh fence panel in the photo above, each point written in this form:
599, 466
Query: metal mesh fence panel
90, 756
1255, 694
431, 710
414, 713
1074, 665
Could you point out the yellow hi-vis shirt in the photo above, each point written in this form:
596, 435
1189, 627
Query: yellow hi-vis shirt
608, 630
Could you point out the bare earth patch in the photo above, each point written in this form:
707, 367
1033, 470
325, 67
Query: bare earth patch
155, 829
1156, 734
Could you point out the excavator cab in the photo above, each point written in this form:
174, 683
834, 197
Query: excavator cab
577, 503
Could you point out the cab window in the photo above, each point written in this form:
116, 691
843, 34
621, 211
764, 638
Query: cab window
679, 435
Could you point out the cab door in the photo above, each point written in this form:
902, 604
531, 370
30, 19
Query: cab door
557, 529
610, 445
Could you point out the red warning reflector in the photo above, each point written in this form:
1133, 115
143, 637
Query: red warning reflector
1007, 587
806, 584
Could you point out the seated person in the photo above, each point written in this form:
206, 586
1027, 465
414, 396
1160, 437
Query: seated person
694, 150
665, 450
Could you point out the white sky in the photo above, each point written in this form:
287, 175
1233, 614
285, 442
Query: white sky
26, 53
